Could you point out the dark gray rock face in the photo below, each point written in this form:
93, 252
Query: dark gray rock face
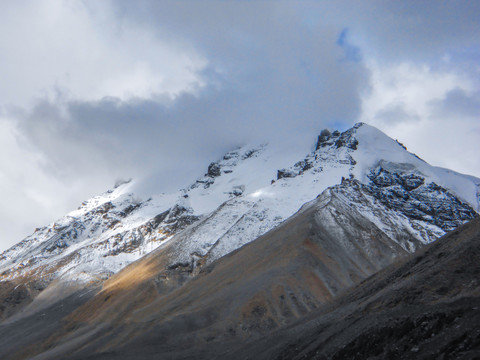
213, 170
325, 151
285, 173
171, 221
408, 194
323, 138
225, 166
346, 138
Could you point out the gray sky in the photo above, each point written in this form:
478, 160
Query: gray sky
95, 91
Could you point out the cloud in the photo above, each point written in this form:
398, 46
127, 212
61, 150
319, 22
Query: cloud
394, 113
408, 85
30, 195
412, 30
81, 50
459, 102
97, 91
434, 113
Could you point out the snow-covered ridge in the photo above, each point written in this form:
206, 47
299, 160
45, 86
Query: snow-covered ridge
378, 149
110, 231
243, 195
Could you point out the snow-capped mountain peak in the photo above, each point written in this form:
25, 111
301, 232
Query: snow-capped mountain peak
241, 196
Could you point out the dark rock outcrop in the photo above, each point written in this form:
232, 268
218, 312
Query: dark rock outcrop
409, 194
213, 170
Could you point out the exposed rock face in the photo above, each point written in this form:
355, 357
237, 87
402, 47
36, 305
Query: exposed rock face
323, 138
326, 138
298, 169
238, 190
409, 194
225, 166
214, 170
330, 147
104, 219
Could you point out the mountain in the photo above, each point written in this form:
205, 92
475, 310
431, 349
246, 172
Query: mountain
315, 225
242, 196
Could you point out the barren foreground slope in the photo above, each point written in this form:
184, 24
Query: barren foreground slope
427, 307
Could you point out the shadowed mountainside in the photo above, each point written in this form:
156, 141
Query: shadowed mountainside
426, 307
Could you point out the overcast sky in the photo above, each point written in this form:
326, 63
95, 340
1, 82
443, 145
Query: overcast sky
96, 91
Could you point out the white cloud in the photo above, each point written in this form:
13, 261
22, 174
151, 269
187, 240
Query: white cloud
408, 102
84, 51
28, 193
410, 86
